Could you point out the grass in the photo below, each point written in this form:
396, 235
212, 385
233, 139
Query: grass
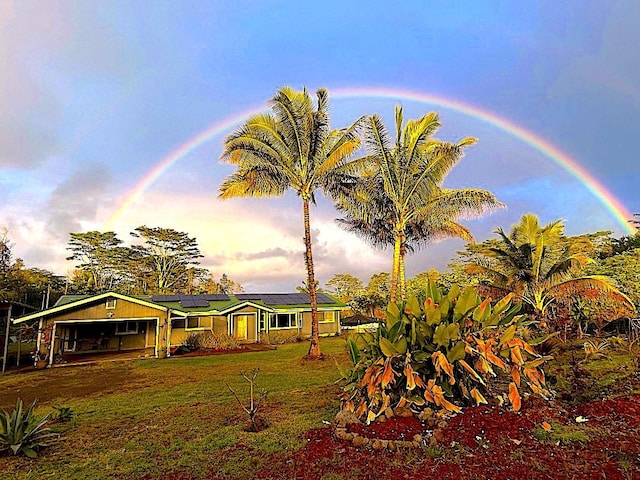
563, 434
579, 377
152, 418
147, 417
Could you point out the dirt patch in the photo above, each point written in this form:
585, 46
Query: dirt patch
63, 383
484, 442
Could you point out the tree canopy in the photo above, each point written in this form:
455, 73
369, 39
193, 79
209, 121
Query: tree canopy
540, 265
398, 198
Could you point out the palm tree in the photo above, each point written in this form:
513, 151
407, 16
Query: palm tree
399, 198
291, 148
378, 229
540, 265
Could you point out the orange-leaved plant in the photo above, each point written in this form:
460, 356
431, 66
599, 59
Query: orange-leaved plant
446, 353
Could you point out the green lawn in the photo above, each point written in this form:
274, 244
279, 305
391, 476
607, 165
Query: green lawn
158, 416
176, 419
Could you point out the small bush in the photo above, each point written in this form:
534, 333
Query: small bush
21, 432
218, 341
65, 414
210, 340
281, 337
192, 342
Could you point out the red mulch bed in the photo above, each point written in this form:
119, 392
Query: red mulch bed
253, 347
483, 442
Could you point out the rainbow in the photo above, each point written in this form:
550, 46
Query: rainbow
612, 204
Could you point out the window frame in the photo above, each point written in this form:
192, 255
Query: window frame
128, 331
179, 319
273, 320
324, 320
111, 304
199, 327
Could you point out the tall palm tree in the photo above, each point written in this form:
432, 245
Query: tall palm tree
540, 265
399, 198
293, 147
378, 230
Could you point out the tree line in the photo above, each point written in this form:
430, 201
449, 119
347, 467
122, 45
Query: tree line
160, 261
584, 280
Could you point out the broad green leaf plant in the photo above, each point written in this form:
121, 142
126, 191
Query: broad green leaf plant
449, 352
22, 432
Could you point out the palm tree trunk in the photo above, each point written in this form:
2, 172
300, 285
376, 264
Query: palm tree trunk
395, 269
314, 347
402, 284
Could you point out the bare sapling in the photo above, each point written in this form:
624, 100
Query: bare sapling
256, 423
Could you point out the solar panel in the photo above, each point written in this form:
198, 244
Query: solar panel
322, 298
249, 296
191, 302
166, 298
293, 299
215, 297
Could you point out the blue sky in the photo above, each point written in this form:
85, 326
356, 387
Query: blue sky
93, 94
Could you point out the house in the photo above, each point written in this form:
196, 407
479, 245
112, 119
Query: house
112, 322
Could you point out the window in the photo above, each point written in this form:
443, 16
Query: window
326, 317
283, 320
126, 328
111, 304
262, 315
178, 323
193, 323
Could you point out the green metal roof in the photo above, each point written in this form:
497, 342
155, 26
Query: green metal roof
217, 305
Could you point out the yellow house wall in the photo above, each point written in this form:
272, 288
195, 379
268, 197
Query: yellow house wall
220, 324
179, 335
124, 310
328, 328
95, 316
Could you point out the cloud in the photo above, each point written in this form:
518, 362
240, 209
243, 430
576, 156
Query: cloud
266, 254
28, 118
75, 201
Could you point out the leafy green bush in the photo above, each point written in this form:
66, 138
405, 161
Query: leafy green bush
22, 432
210, 340
281, 337
65, 414
448, 352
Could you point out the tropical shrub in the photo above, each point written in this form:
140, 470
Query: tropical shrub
65, 414
281, 337
449, 352
192, 342
22, 432
218, 341
210, 340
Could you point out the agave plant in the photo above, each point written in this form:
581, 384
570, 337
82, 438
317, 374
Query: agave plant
445, 354
22, 432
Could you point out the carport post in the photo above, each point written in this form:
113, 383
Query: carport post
53, 342
6, 341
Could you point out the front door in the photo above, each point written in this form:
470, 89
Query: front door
241, 326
